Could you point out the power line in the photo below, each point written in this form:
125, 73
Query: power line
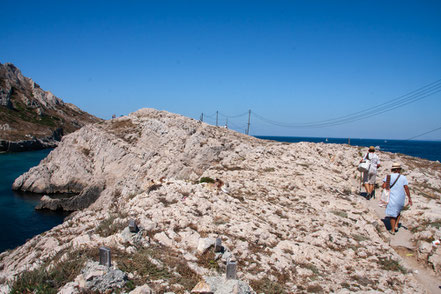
211, 115
424, 134
401, 101
234, 116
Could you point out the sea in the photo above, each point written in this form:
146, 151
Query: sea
19, 220
430, 150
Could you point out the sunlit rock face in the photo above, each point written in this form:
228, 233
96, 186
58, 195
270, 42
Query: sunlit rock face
31, 118
289, 214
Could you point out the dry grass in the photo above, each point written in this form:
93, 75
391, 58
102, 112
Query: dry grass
391, 265
109, 227
311, 267
232, 168
314, 289
43, 280
267, 286
207, 260
362, 280
340, 213
423, 226
359, 238
169, 266
167, 203
220, 220
125, 129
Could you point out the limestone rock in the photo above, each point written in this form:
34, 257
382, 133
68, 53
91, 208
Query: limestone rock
435, 260
35, 119
204, 244
69, 288
220, 285
101, 278
202, 287
145, 289
289, 219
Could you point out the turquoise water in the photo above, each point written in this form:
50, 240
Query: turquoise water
19, 220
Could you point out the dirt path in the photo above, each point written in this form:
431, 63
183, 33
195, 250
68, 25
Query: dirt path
401, 242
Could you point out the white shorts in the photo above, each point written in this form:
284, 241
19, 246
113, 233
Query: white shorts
369, 177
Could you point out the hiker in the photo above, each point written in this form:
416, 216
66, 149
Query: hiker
370, 176
398, 188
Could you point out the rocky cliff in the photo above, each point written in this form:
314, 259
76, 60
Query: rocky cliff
290, 215
31, 118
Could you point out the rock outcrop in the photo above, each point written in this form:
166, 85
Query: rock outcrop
31, 118
290, 215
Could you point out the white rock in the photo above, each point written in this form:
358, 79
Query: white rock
145, 289
69, 288
204, 244
163, 239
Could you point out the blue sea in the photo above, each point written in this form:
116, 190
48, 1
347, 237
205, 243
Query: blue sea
430, 150
19, 220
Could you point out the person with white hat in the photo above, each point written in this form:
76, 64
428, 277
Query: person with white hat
370, 176
398, 190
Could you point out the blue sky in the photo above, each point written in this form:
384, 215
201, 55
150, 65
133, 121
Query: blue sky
287, 61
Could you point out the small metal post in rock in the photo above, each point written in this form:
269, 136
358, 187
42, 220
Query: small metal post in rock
132, 226
218, 245
105, 256
231, 270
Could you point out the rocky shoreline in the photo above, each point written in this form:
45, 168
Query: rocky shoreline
32, 144
290, 215
31, 118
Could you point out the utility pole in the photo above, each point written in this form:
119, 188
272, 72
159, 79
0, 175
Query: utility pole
249, 117
217, 113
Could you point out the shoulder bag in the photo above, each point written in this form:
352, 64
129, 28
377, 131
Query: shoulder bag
384, 198
365, 164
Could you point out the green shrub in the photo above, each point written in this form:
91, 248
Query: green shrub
206, 180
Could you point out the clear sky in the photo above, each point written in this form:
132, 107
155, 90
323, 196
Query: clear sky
287, 61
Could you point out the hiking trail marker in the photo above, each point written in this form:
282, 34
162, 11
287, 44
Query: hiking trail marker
231, 270
132, 226
105, 256
218, 245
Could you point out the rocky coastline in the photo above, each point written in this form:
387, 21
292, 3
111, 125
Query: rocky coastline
32, 144
290, 215
31, 118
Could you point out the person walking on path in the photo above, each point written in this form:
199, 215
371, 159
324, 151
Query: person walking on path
398, 190
370, 176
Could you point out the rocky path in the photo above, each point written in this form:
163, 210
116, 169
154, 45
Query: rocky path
289, 214
403, 245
